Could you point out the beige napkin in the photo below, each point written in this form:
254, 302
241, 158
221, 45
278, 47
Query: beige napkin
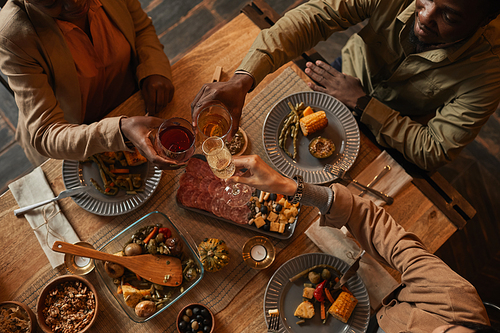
391, 183
48, 222
334, 241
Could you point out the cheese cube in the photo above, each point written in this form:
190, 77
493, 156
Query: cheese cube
287, 204
308, 293
287, 213
282, 202
282, 228
291, 220
274, 227
294, 211
272, 217
259, 221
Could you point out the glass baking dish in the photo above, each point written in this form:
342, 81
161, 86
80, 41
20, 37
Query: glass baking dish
117, 243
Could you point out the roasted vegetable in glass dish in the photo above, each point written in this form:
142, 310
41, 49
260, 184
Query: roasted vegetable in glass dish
145, 297
114, 169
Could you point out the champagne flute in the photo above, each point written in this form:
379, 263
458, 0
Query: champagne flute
175, 140
220, 160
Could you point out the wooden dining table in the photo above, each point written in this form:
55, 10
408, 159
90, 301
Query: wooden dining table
21, 254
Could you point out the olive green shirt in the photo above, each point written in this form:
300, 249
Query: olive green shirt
457, 87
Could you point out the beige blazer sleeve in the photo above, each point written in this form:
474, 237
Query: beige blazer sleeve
42, 74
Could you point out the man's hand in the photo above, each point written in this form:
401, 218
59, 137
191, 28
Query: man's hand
262, 176
345, 88
157, 92
137, 130
231, 93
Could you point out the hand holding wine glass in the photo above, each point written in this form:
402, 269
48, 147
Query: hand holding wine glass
174, 140
220, 160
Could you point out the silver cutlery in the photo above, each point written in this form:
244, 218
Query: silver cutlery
64, 194
274, 323
375, 179
338, 171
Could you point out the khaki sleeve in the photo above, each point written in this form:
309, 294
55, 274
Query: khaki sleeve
428, 283
300, 30
151, 57
50, 134
439, 141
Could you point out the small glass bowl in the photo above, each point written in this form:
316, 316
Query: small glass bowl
258, 252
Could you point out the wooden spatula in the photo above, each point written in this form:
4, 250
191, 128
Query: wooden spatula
159, 269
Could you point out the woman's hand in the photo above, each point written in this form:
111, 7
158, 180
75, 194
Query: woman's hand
262, 176
345, 88
137, 130
157, 92
231, 93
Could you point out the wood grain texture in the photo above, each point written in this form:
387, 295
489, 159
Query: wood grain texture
22, 255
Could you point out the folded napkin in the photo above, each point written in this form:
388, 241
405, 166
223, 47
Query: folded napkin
391, 183
335, 242
48, 222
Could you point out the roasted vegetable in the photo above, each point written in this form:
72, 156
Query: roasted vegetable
214, 254
304, 310
319, 294
313, 122
343, 306
134, 158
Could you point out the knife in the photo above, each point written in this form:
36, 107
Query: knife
64, 194
349, 273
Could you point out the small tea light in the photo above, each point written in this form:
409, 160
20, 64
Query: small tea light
258, 252
79, 265
81, 261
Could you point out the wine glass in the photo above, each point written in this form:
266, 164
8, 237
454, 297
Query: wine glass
175, 140
214, 120
220, 160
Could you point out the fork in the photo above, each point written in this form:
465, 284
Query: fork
341, 173
274, 323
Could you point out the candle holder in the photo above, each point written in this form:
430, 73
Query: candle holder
79, 265
258, 252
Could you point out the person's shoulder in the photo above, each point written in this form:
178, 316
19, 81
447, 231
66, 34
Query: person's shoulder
12, 16
492, 35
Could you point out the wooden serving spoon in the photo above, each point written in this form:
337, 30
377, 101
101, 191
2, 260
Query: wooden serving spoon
159, 269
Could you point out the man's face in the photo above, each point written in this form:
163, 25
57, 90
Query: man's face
66, 10
447, 21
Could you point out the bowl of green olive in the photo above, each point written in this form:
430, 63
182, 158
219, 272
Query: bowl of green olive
197, 318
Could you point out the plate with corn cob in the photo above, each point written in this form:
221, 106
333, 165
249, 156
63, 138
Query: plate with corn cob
295, 121
292, 287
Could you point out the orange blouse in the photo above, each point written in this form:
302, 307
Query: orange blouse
103, 63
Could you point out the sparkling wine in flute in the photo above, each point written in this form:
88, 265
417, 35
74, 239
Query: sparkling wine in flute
221, 162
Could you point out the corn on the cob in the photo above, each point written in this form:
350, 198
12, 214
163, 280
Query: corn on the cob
313, 122
343, 306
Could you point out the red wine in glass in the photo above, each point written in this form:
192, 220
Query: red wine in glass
175, 140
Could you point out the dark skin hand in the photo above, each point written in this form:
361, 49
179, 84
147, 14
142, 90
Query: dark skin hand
345, 88
137, 130
157, 92
231, 93
262, 176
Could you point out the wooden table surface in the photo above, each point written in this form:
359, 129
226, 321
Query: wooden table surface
22, 254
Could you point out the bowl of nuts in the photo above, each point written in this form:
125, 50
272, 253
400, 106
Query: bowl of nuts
16, 317
67, 303
195, 317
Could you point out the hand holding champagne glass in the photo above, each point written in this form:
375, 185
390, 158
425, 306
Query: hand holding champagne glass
220, 160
